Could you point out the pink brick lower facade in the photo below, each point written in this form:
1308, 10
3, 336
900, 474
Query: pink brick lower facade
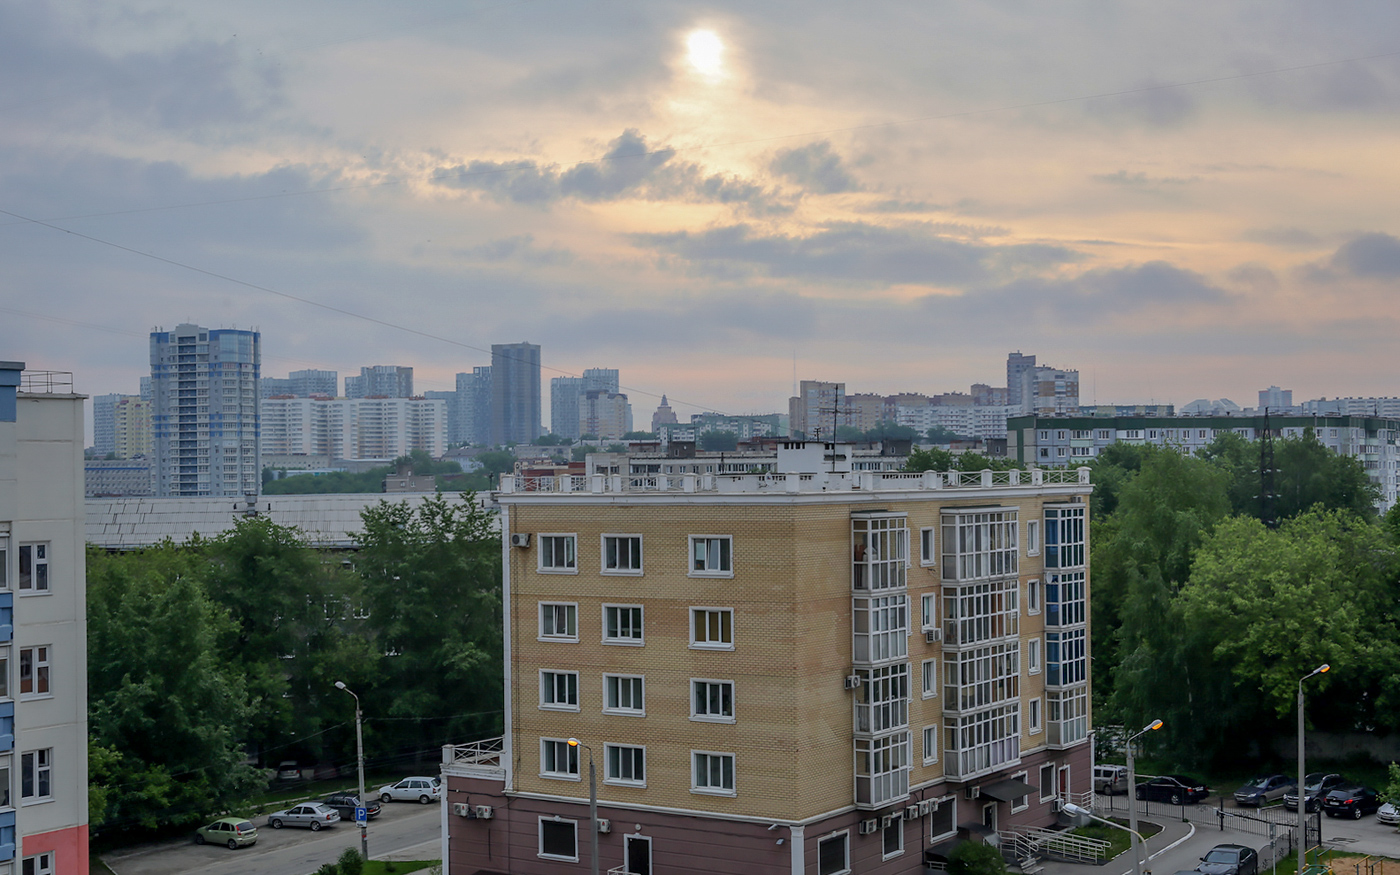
644, 841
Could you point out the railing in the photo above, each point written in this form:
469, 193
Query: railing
485, 756
1060, 845
46, 382
793, 483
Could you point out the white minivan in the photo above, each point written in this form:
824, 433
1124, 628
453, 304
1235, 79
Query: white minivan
1110, 780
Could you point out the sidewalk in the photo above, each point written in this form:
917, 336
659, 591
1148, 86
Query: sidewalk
1174, 834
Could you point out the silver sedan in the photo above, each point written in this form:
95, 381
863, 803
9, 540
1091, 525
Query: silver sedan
313, 815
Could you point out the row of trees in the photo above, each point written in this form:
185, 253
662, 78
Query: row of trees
210, 660
1216, 585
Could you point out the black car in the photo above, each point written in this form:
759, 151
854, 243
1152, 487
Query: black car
346, 803
1351, 802
1316, 785
1229, 860
1176, 789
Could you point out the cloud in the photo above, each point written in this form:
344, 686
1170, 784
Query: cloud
1370, 255
856, 252
631, 168
1151, 103
1142, 180
1283, 237
816, 168
518, 249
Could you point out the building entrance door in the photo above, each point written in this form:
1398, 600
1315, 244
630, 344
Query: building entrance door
638, 853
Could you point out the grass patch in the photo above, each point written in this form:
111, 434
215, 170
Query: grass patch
97, 867
1119, 840
382, 867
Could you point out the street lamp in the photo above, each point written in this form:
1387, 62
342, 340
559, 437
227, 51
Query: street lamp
1132, 796
1076, 811
1302, 799
360, 758
592, 800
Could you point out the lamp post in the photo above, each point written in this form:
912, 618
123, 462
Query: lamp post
1132, 796
1075, 811
360, 760
592, 800
1302, 774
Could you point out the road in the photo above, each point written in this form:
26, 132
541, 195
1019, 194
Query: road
404, 830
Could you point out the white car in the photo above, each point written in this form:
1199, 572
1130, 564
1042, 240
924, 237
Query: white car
312, 815
1388, 813
423, 790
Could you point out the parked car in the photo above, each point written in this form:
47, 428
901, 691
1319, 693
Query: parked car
288, 770
236, 832
424, 790
1264, 789
1388, 813
1229, 860
346, 803
1315, 786
1109, 780
309, 814
1176, 789
1351, 802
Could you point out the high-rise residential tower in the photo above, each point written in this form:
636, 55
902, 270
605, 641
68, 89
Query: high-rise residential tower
381, 381
515, 393
204, 386
564, 395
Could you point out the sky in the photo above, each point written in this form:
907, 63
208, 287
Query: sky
1180, 200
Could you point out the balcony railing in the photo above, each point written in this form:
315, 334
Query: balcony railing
46, 382
792, 483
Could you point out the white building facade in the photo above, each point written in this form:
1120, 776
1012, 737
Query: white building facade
354, 428
43, 638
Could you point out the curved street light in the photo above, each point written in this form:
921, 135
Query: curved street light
360, 760
592, 800
1302, 774
1132, 796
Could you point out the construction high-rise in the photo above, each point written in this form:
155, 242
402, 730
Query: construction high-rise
515, 393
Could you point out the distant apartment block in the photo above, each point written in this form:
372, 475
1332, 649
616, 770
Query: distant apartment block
1386, 408
816, 411
381, 381
1072, 441
515, 393
43, 638
204, 385
808, 671
354, 428
564, 394
604, 414
118, 477
1276, 400
121, 426
474, 389
302, 384
104, 436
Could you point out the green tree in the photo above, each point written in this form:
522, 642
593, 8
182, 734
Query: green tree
1111, 470
887, 430
161, 693
1391, 791
940, 435
432, 575
719, 441
639, 436
1238, 458
494, 463
976, 858
931, 459
1310, 474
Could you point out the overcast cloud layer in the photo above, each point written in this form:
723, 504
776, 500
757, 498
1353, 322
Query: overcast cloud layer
1180, 200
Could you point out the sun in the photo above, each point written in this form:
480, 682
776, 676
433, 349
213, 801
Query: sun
704, 51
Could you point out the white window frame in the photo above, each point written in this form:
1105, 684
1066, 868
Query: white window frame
897, 825
4, 671
845, 837
1026, 799
43, 863
707, 790
692, 571
35, 563
1035, 722
1046, 797
1033, 596
549, 680
570, 753
539, 851
930, 750
939, 836
705, 611
641, 684
42, 767
640, 638
928, 612
608, 777
1033, 651
571, 538
711, 718
4, 560
571, 609
928, 546
1032, 537
37, 666
603, 555
928, 678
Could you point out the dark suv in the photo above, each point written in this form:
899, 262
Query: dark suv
1351, 802
1316, 786
346, 803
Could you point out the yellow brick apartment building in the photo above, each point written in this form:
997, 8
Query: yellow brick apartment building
811, 672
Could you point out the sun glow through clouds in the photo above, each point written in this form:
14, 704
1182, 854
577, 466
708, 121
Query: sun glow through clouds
705, 53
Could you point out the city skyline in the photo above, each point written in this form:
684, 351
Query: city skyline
712, 197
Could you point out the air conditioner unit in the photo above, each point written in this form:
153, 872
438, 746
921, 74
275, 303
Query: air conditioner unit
520, 539
484, 812
889, 819
604, 825
928, 806
869, 826
461, 809
972, 792
852, 681
911, 812
933, 636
